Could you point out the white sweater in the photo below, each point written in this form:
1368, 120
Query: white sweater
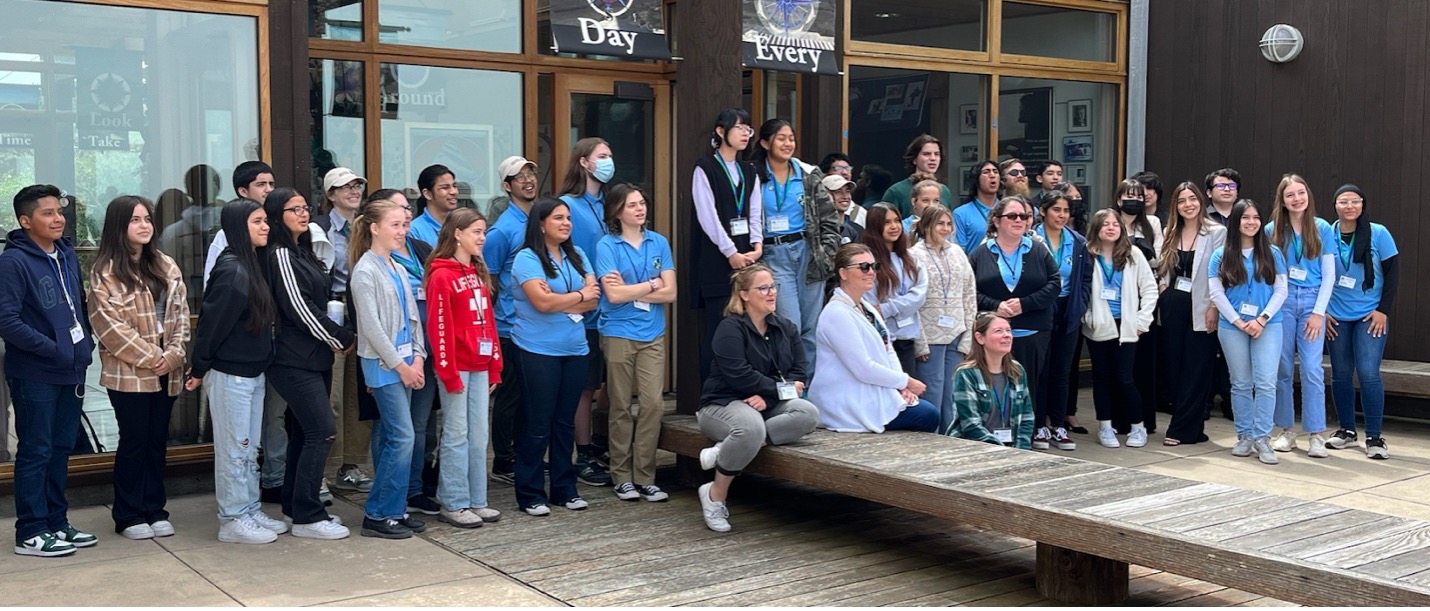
1139, 301
856, 385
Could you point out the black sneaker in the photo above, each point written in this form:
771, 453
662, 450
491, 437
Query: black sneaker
506, 476
385, 529
1342, 439
413, 524
1375, 448
270, 495
590, 473
422, 504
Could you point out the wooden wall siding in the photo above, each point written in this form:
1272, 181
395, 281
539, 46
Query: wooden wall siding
1351, 108
292, 134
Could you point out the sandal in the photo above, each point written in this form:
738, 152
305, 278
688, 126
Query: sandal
1169, 442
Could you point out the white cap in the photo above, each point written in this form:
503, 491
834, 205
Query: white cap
835, 182
511, 166
340, 177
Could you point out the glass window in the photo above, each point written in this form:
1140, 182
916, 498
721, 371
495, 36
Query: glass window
781, 96
335, 19
336, 100
1049, 31
947, 24
1071, 121
467, 120
469, 25
543, 36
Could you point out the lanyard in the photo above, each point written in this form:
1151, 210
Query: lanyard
938, 266
625, 254
981, 210
411, 265
1296, 246
1345, 251
64, 286
401, 298
1107, 271
781, 194
1064, 244
869, 316
737, 187
595, 206
1015, 271
1001, 400
562, 267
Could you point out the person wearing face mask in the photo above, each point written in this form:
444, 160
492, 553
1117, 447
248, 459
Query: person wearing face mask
584, 191
970, 221
841, 191
925, 154
1145, 232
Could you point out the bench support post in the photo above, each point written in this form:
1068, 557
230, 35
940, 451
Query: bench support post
1074, 577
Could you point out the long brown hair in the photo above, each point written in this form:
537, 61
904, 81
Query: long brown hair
931, 217
1121, 249
1281, 234
888, 279
575, 181
1232, 272
116, 254
458, 220
743, 279
977, 354
1172, 236
368, 215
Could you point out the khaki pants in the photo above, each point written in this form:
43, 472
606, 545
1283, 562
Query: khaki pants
634, 367
354, 439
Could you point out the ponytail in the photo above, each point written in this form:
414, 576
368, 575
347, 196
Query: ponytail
370, 214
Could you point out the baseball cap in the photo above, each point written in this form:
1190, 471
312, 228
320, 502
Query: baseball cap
338, 177
835, 182
511, 166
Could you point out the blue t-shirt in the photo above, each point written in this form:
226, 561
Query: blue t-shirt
970, 224
1011, 267
548, 333
504, 239
635, 265
1253, 292
785, 200
1354, 302
425, 228
588, 226
372, 370
1111, 279
1295, 257
1063, 256
413, 268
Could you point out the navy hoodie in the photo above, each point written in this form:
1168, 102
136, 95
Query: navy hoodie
35, 318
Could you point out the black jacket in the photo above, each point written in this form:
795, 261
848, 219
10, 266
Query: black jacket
306, 336
747, 363
1038, 286
222, 340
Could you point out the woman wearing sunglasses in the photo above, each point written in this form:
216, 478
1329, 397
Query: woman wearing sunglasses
860, 386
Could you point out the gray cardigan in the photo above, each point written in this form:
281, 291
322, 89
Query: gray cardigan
379, 313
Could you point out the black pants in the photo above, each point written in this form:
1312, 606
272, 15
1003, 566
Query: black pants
507, 409
143, 419
1191, 355
1075, 371
1146, 373
1032, 353
1051, 407
1114, 391
311, 431
904, 349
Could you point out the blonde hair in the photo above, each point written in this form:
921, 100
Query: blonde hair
368, 215
743, 279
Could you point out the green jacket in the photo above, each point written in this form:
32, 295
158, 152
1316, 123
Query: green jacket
821, 226
973, 398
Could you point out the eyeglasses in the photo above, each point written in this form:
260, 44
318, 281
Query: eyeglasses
1225, 186
355, 185
841, 168
765, 289
1018, 216
745, 129
1355, 202
299, 210
527, 176
865, 267
1017, 173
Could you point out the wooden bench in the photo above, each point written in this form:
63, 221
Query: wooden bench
1091, 520
1401, 378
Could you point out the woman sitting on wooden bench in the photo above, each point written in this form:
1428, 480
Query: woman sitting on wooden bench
990, 389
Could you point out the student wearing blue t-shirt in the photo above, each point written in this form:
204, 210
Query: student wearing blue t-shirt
1249, 297
637, 279
1310, 251
584, 192
970, 221
1123, 297
1367, 279
438, 198
1069, 250
558, 291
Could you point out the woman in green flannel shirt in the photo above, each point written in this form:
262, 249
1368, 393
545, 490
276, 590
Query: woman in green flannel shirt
990, 390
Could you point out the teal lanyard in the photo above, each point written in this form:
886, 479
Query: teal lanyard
1107, 271
412, 266
1345, 251
1296, 246
1063, 243
737, 187
782, 192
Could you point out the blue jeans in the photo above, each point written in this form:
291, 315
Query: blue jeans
922, 416
236, 404
553, 388
462, 482
798, 300
422, 408
1252, 365
936, 373
393, 435
1299, 302
46, 418
1354, 351
274, 440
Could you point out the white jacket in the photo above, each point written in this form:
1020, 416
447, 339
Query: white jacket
856, 386
1208, 240
1139, 296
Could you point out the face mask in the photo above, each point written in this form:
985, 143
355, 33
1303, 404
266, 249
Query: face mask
605, 169
1133, 206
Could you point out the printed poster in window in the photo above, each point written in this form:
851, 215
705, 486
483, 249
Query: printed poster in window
1025, 123
464, 149
887, 103
790, 35
633, 29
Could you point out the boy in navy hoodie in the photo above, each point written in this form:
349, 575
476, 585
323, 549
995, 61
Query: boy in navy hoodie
44, 321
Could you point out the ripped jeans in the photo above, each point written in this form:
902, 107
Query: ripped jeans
236, 407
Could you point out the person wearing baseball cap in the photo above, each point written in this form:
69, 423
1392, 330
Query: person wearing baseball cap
507, 235
525, 189
841, 189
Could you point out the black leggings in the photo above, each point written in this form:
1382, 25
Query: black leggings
1114, 390
311, 431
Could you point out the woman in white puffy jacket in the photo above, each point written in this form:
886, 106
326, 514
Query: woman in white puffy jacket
1120, 309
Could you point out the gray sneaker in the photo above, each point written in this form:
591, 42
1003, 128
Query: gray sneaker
352, 477
1264, 453
1242, 447
1318, 447
1374, 448
461, 518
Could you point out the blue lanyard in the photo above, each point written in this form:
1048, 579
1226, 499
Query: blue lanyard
625, 254
938, 266
736, 187
981, 210
1107, 271
781, 194
1016, 271
1002, 399
595, 206
401, 297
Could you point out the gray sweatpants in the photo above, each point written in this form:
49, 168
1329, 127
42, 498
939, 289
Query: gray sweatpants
742, 430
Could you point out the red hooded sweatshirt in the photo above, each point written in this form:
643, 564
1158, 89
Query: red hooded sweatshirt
459, 321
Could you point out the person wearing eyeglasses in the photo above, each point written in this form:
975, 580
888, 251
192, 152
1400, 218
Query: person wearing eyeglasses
752, 395
1223, 188
1014, 178
861, 386
901, 287
837, 164
505, 238
991, 389
1017, 278
302, 369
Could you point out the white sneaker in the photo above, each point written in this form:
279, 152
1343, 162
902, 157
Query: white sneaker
487, 514
138, 532
1264, 453
1242, 447
331, 518
1318, 447
324, 529
1137, 437
1108, 438
717, 516
1285, 442
262, 519
461, 518
162, 528
245, 530
709, 456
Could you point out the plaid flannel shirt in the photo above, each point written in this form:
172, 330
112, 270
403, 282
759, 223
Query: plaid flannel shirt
973, 398
130, 342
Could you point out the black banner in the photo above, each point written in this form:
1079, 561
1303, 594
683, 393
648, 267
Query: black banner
790, 35
619, 28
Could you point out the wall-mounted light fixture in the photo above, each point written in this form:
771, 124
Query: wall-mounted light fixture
1281, 43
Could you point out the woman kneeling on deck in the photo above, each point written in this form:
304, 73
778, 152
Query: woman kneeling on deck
991, 390
752, 395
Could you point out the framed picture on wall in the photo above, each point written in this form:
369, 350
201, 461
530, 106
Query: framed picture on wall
1025, 123
1080, 115
968, 119
968, 153
1076, 174
964, 172
1077, 148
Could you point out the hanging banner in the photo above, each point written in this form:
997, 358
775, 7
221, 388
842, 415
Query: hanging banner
109, 101
790, 35
619, 28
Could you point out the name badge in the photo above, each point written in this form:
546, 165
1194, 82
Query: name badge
1184, 284
1005, 436
779, 223
485, 347
76, 333
642, 306
947, 322
1297, 273
1111, 295
739, 227
405, 351
906, 322
421, 293
576, 318
1249, 309
787, 391
1347, 282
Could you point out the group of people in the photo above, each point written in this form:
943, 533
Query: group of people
905, 314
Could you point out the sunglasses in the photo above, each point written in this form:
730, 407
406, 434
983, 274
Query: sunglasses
864, 267
1017, 173
1018, 216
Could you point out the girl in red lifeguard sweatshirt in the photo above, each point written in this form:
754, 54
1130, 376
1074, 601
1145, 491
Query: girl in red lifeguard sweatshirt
466, 355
